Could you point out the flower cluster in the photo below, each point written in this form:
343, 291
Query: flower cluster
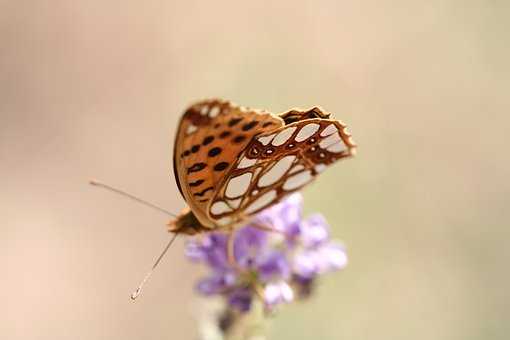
277, 257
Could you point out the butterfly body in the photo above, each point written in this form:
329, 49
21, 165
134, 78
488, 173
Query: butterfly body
231, 162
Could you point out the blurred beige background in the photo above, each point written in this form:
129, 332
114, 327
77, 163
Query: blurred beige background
95, 89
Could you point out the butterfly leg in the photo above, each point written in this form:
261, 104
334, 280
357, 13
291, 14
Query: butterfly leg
268, 228
230, 249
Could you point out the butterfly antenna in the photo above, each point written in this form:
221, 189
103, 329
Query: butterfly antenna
132, 197
138, 290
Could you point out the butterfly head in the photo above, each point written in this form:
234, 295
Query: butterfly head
186, 223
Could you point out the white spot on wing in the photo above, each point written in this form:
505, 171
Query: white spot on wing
214, 112
297, 181
296, 168
330, 140
330, 129
262, 202
283, 136
336, 148
235, 203
191, 128
203, 110
306, 132
277, 171
220, 207
224, 221
246, 163
320, 167
237, 186
266, 139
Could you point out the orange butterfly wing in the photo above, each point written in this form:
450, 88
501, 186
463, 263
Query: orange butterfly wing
210, 138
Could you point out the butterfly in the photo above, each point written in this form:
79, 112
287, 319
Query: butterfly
231, 162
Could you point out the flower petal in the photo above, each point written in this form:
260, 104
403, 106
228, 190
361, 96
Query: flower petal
332, 257
273, 266
241, 299
277, 293
305, 264
284, 215
218, 283
248, 245
195, 251
314, 231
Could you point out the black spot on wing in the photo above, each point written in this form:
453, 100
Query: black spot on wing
196, 183
239, 139
234, 121
250, 125
196, 167
220, 166
207, 140
214, 152
202, 193
225, 134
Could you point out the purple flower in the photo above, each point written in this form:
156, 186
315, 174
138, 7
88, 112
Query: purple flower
217, 283
240, 299
284, 217
277, 265
314, 231
276, 293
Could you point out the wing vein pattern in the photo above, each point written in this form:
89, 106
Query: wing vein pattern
237, 161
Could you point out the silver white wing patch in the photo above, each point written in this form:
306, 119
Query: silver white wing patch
277, 163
